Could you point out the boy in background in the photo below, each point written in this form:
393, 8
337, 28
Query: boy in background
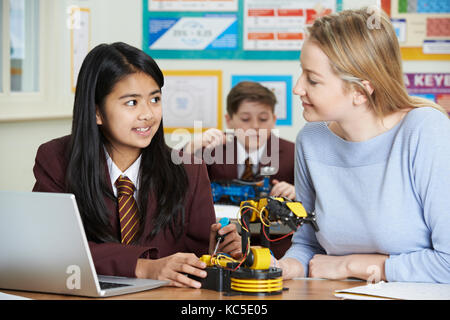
250, 112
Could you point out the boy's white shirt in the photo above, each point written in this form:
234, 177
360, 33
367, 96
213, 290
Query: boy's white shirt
132, 173
254, 158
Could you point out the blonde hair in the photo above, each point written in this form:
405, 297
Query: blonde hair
362, 45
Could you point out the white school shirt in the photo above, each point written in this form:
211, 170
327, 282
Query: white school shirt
254, 158
132, 173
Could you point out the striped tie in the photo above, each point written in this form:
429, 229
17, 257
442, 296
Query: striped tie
127, 209
248, 171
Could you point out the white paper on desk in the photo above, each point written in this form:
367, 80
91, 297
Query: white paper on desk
397, 290
5, 296
226, 211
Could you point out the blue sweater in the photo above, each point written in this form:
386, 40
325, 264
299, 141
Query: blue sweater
387, 195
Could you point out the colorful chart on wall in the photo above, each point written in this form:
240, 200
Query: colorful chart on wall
281, 86
235, 29
275, 29
423, 28
192, 98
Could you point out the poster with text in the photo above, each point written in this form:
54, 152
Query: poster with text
432, 86
240, 29
280, 25
193, 5
193, 33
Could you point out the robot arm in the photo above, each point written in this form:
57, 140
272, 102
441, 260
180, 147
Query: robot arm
253, 274
270, 210
290, 213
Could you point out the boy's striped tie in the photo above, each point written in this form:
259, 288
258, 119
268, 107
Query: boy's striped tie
248, 171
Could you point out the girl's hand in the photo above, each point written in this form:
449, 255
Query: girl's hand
282, 189
174, 268
232, 242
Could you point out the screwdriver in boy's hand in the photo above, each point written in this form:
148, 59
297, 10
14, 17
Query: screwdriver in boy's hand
219, 238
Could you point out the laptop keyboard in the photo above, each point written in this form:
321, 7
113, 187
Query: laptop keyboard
111, 285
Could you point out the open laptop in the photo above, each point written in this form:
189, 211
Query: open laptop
43, 247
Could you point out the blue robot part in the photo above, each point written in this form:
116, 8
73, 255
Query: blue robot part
235, 191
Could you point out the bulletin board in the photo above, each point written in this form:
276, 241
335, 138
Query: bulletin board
275, 29
423, 28
192, 100
234, 29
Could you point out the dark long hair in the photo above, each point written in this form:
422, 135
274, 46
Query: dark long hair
86, 177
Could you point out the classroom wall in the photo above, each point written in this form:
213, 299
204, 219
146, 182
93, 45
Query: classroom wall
118, 20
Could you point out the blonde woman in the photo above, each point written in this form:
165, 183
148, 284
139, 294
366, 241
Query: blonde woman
373, 162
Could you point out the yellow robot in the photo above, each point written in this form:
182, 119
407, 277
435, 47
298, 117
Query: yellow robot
253, 274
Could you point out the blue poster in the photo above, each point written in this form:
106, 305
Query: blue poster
281, 86
200, 35
207, 32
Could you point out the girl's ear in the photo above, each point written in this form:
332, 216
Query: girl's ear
359, 96
98, 116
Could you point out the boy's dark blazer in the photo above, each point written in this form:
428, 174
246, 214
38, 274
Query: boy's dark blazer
224, 170
115, 258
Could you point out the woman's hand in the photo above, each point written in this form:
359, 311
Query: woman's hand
291, 268
282, 189
328, 267
231, 244
174, 268
362, 266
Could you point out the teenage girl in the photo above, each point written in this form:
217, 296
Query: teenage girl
144, 216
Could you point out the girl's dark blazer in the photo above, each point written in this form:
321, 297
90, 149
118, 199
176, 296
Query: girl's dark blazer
226, 169
115, 258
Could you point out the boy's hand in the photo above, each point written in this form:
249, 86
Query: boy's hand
212, 138
282, 189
